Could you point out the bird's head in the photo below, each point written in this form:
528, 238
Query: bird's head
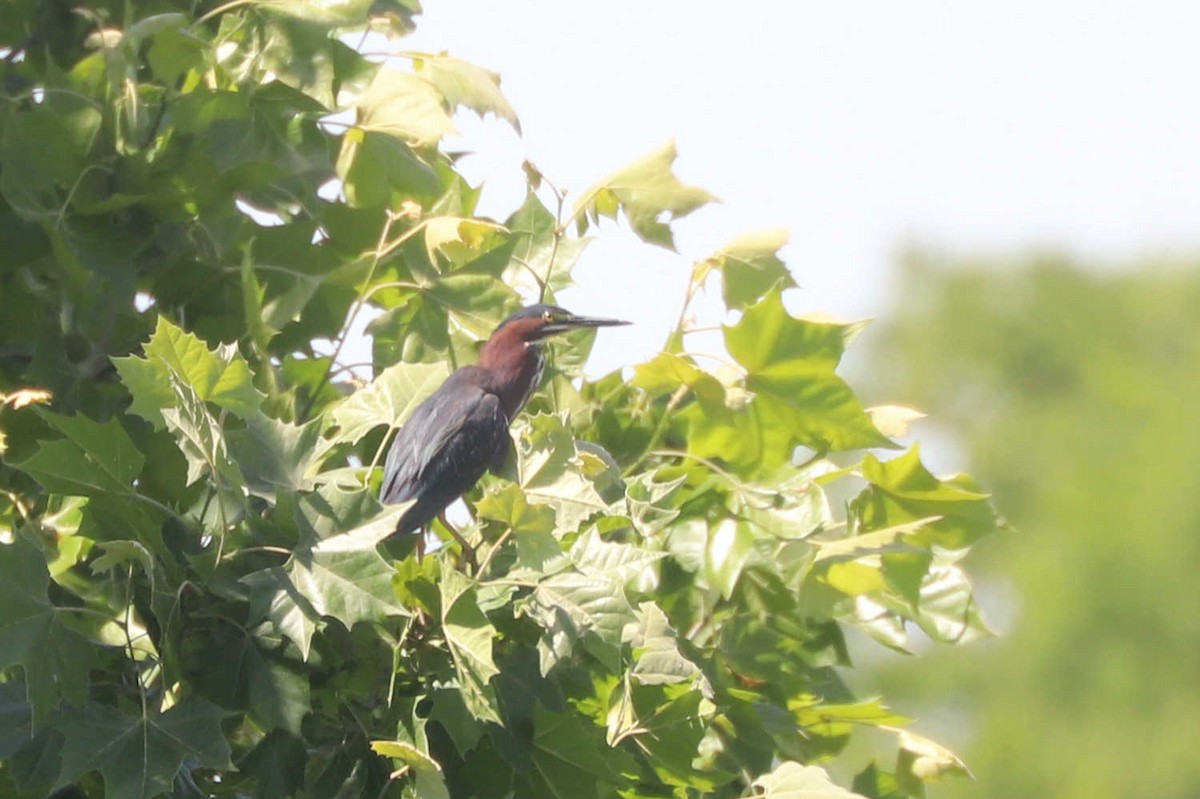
536, 322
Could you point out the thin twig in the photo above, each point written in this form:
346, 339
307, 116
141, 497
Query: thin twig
492, 552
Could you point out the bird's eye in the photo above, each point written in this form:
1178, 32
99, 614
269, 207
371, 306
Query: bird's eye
547, 316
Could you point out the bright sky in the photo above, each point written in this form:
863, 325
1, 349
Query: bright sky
858, 126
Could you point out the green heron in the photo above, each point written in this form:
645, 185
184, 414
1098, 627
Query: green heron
461, 430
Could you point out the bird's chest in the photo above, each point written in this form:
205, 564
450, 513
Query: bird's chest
531, 375
519, 378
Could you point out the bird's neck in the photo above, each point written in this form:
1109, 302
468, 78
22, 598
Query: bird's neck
513, 373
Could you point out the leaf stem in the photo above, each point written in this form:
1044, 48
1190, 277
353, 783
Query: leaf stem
660, 430
492, 552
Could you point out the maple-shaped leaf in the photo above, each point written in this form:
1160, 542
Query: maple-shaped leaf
139, 756
342, 576
55, 659
647, 192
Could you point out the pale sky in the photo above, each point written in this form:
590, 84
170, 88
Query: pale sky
859, 126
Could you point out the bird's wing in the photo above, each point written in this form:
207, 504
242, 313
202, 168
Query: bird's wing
447, 443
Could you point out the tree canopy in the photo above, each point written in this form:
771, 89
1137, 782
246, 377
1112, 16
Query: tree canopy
198, 591
1072, 389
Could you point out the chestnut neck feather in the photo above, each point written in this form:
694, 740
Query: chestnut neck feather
513, 365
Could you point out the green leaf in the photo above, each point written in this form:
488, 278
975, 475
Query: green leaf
390, 399
658, 659
947, 610
343, 577
575, 608
671, 723
646, 191
220, 376
405, 107
541, 252
202, 441
54, 658
730, 543
460, 239
790, 367
793, 781
621, 563
749, 267
275, 456
570, 759
903, 490
648, 501
140, 756
378, 169
277, 764
464, 84
551, 472
92, 458
469, 635
832, 720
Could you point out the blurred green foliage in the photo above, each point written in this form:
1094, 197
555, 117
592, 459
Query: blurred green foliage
1074, 393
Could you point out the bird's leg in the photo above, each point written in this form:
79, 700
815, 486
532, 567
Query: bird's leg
468, 551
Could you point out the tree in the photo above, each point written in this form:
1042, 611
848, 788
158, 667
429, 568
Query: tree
1072, 391
198, 593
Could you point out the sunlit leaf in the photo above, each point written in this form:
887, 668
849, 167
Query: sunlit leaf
794, 781
389, 399
220, 376
464, 84
749, 267
646, 191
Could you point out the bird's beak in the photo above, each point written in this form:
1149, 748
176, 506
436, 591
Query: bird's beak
578, 323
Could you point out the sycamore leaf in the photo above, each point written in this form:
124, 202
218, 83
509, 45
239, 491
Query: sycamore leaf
405, 107
377, 168
552, 472
460, 239
91, 459
138, 756
749, 267
464, 84
658, 659
570, 756
571, 607
649, 502
342, 576
947, 610
647, 191
469, 635
273, 455
32, 635
220, 376
730, 543
541, 253
791, 780
622, 563
903, 490
790, 365
390, 399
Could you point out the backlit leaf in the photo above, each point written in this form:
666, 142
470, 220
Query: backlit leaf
647, 191
464, 84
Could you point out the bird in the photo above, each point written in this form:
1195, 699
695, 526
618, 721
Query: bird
461, 430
